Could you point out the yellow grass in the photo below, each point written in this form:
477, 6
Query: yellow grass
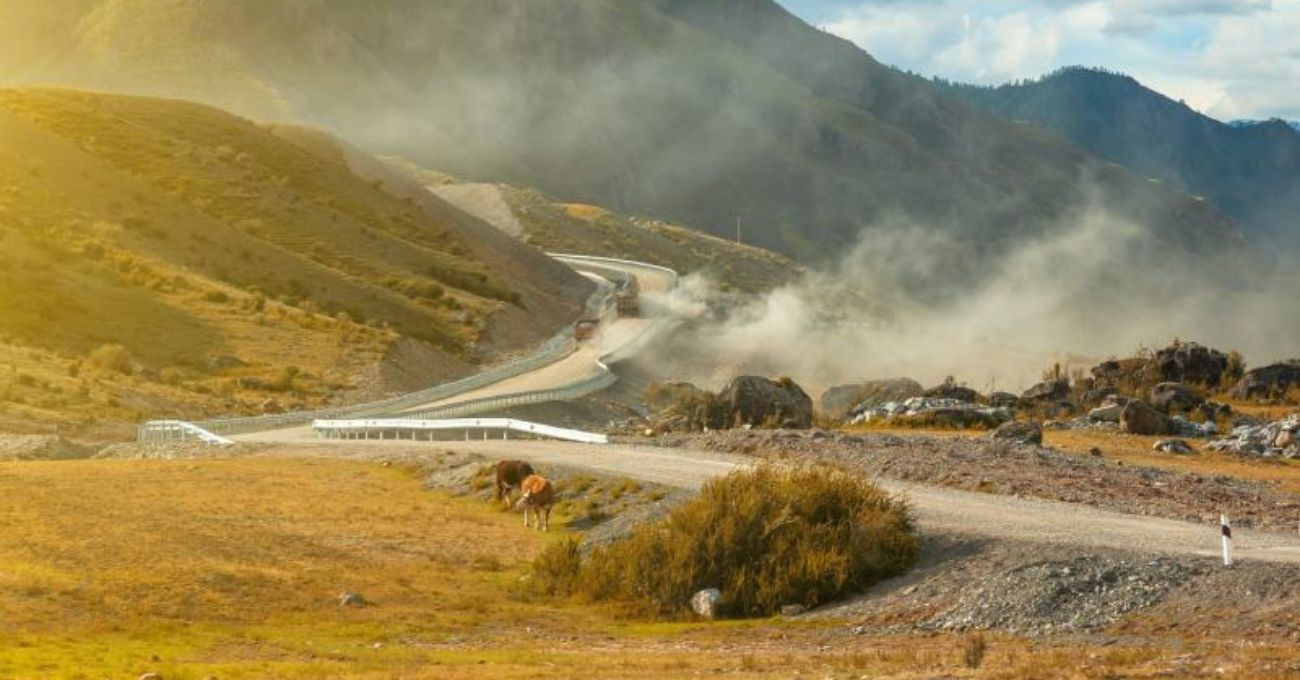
231, 568
583, 211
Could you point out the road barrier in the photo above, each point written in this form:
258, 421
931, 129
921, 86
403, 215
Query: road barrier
382, 427
178, 430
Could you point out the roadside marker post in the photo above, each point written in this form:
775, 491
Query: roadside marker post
1225, 530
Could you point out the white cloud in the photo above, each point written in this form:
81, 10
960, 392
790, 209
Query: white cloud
1228, 58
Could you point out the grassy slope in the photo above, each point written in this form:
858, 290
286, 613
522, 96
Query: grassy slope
183, 233
233, 568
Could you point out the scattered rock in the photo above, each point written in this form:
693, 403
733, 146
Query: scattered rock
1048, 391
1278, 439
950, 412
1109, 413
1173, 396
792, 610
1020, 432
1003, 400
705, 603
760, 402
1190, 362
951, 390
1139, 417
1268, 382
1177, 446
839, 400
350, 599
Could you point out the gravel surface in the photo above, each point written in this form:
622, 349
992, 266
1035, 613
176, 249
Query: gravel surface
1003, 468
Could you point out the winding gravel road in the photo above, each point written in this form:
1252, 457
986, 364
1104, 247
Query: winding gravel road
938, 509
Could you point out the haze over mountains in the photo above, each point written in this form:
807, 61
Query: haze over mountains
1250, 170
699, 112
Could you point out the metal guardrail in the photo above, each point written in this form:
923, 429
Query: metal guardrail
178, 430
363, 428
601, 303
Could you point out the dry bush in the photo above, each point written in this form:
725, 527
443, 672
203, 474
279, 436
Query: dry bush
112, 358
973, 649
765, 537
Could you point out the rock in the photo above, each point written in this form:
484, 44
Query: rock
762, 402
224, 362
951, 390
1095, 397
1004, 400
842, 399
705, 603
791, 610
1139, 417
1172, 396
349, 599
1020, 432
1048, 391
1188, 362
1284, 439
1268, 382
1172, 446
1106, 414
965, 418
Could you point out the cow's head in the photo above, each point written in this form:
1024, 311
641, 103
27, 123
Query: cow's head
525, 499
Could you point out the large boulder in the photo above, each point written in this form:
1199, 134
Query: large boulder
1268, 382
1174, 396
1003, 400
757, 401
1020, 432
1188, 362
1139, 417
1047, 392
842, 399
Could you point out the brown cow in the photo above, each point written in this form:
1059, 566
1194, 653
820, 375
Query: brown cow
510, 474
538, 495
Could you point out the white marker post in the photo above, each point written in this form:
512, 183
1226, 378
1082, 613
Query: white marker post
1225, 529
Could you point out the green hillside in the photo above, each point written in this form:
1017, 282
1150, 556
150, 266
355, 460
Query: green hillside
162, 257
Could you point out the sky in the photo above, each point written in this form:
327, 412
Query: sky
1228, 59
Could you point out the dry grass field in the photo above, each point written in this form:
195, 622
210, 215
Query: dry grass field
232, 568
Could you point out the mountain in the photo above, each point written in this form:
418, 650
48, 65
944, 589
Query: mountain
1251, 172
160, 257
1242, 122
695, 112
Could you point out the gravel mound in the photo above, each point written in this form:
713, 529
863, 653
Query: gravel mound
1082, 594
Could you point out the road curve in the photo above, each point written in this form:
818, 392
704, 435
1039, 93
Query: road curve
938, 509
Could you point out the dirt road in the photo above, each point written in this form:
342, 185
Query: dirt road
937, 509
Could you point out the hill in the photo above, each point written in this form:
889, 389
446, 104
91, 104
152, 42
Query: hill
1251, 172
555, 226
163, 257
698, 112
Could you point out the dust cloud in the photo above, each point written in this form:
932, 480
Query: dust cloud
906, 301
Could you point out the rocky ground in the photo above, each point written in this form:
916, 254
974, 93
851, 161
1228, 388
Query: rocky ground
1002, 467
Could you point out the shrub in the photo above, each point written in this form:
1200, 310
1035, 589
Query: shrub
973, 649
765, 537
111, 358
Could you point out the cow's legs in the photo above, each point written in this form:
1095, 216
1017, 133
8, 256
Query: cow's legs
546, 519
525, 516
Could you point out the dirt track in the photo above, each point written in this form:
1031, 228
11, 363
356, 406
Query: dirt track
937, 509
